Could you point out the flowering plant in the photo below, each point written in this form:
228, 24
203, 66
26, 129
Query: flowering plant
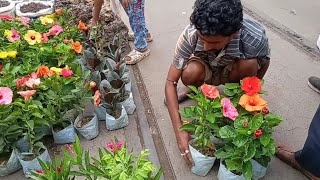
114, 162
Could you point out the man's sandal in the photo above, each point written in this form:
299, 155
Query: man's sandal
136, 56
131, 37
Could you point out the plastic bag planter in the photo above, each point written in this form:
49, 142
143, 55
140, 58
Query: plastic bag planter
36, 14
89, 130
225, 174
65, 136
127, 87
202, 164
259, 171
8, 10
23, 145
121, 122
100, 112
46, 130
11, 166
34, 164
129, 104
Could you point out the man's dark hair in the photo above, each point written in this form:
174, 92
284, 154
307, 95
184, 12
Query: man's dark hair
217, 17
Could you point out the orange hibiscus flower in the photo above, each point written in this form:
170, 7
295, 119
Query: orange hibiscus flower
252, 103
44, 71
210, 91
82, 26
251, 85
77, 47
58, 12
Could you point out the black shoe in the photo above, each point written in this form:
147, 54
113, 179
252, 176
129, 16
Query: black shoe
314, 83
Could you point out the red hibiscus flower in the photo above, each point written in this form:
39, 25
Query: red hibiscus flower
258, 133
251, 85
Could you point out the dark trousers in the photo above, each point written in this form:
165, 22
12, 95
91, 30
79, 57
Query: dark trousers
309, 156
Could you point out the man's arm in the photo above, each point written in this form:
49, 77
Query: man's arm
96, 11
182, 137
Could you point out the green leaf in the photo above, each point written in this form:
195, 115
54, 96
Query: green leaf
232, 85
247, 170
224, 152
273, 120
187, 112
250, 152
216, 104
265, 139
256, 122
234, 164
194, 89
188, 127
227, 132
198, 130
229, 92
240, 140
211, 118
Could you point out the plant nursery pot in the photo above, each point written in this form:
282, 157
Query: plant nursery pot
88, 128
23, 145
46, 130
29, 165
259, 171
10, 166
64, 136
101, 112
129, 104
202, 164
121, 122
225, 174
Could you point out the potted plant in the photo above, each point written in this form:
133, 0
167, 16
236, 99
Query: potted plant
31, 116
115, 162
206, 119
10, 132
249, 145
87, 124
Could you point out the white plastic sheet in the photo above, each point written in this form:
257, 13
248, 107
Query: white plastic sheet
224, 174
66, 135
258, 170
36, 14
11, 166
9, 10
129, 104
121, 122
91, 129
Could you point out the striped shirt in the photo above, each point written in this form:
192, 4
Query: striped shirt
250, 42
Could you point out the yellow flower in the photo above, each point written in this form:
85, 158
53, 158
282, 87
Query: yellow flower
7, 33
3, 55
50, 16
56, 70
46, 20
32, 37
12, 54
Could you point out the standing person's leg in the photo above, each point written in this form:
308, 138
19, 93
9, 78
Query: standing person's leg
138, 26
306, 160
309, 156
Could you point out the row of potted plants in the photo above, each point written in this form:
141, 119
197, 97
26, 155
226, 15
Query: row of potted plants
114, 162
235, 128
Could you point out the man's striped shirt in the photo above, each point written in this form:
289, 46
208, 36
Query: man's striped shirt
250, 42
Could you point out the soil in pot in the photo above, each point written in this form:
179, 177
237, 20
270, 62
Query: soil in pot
116, 113
4, 158
33, 7
4, 4
84, 121
208, 151
32, 156
60, 126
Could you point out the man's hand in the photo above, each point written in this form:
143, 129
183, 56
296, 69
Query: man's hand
183, 139
126, 4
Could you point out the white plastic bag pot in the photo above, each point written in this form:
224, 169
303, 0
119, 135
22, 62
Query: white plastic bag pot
127, 87
225, 174
8, 10
23, 145
202, 164
91, 129
34, 164
36, 14
129, 104
11, 166
113, 123
101, 112
259, 171
65, 136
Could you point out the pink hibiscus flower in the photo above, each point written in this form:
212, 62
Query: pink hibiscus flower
6, 17
66, 72
27, 94
44, 38
55, 30
15, 36
6, 95
229, 110
24, 20
32, 83
111, 146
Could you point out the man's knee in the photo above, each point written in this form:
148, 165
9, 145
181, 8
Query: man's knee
193, 74
247, 67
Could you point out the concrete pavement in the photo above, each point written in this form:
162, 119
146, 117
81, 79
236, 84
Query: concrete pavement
286, 81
